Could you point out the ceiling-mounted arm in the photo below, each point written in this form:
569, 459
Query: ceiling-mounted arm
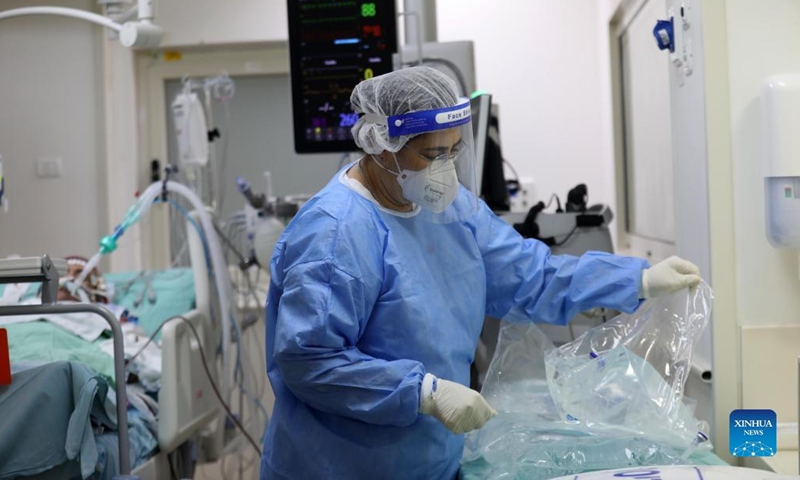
63, 12
141, 33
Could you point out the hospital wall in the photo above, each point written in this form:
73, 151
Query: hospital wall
540, 61
757, 291
761, 42
757, 322
49, 108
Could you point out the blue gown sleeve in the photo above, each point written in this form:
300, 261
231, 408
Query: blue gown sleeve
523, 276
322, 313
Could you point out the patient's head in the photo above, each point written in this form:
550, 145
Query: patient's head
93, 288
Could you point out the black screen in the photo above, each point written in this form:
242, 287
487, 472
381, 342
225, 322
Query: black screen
480, 132
333, 45
493, 185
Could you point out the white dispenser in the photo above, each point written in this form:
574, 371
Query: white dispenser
781, 103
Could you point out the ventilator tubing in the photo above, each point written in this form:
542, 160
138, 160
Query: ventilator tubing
224, 292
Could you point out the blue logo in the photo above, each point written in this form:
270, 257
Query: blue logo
753, 433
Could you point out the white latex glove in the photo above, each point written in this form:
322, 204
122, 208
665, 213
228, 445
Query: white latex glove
669, 276
459, 408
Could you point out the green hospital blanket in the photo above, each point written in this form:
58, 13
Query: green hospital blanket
48, 417
45, 342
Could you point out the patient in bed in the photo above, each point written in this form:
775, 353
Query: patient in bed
85, 337
70, 356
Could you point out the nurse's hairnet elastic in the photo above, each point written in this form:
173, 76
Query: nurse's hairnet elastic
403, 91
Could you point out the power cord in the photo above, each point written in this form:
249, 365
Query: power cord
242, 259
208, 374
558, 203
516, 175
569, 236
230, 244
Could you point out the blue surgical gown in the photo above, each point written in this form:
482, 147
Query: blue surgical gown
363, 303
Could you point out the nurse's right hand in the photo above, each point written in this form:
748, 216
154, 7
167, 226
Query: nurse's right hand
459, 408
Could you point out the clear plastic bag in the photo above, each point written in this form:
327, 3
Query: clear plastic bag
612, 398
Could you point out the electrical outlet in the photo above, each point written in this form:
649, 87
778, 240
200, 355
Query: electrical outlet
49, 167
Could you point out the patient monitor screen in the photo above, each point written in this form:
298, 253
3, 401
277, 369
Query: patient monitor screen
333, 45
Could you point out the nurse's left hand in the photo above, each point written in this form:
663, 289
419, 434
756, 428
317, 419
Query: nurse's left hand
669, 276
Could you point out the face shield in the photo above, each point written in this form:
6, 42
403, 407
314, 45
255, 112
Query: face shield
436, 168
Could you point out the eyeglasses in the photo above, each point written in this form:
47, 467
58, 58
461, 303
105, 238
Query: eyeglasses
455, 150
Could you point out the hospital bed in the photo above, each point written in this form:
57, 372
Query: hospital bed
186, 403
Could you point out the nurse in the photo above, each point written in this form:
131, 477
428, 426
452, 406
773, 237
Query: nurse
379, 288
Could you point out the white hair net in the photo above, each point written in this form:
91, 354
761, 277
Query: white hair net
408, 90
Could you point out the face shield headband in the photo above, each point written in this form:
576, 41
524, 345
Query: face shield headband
424, 121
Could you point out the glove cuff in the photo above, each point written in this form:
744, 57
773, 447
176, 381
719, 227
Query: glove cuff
428, 388
643, 290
